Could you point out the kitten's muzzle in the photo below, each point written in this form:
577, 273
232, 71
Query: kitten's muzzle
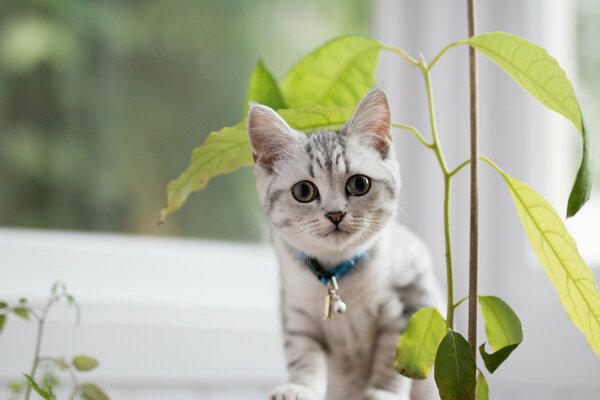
335, 217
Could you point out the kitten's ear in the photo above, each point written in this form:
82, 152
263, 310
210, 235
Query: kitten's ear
270, 136
372, 121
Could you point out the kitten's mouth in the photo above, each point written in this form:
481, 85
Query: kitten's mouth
337, 232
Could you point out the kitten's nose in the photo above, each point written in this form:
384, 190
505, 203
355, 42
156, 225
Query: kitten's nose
335, 217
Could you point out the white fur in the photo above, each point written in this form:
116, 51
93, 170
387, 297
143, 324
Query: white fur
351, 357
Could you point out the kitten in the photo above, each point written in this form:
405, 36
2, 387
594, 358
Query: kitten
330, 198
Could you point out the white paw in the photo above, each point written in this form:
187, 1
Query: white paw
378, 394
291, 391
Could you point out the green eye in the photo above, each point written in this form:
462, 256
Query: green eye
358, 185
305, 191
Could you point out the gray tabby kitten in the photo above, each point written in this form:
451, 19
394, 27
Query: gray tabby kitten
329, 198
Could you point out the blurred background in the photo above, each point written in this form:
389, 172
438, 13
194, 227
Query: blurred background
101, 104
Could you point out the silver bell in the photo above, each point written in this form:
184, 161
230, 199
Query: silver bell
339, 306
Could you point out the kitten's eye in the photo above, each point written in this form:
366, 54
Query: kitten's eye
305, 191
358, 185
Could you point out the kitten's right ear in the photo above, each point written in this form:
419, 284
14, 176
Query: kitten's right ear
270, 136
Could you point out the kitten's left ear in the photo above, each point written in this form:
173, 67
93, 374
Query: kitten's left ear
372, 121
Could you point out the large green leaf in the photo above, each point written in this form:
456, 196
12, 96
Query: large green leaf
338, 73
454, 368
310, 119
419, 342
263, 88
503, 330
558, 254
482, 390
228, 149
541, 76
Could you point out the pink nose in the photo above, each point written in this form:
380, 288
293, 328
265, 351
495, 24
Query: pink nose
335, 217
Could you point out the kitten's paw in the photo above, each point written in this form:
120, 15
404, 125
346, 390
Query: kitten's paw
291, 391
379, 394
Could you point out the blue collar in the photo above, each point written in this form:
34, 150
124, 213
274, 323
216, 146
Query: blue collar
337, 272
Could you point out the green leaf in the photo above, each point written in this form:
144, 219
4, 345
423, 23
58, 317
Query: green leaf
2, 322
338, 73
263, 88
23, 301
90, 391
310, 119
222, 152
482, 391
454, 368
493, 360
21, 312
45, 394
419, 342
503, 330
48, 385
540, 75
229, 149
582, 188
84, 363
3, 304
558, 254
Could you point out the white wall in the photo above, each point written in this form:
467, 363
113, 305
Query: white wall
168, 319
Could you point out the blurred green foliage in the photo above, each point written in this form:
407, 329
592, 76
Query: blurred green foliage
101, 103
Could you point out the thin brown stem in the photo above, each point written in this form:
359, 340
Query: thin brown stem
474, 220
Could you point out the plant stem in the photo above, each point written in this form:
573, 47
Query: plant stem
437, 148
447, 240
474, 220
402, 53
415, 132
444, 50
458, 303
41, 319
460, 166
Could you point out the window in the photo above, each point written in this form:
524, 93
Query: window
102, 103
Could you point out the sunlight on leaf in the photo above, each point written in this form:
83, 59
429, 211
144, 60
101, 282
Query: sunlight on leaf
263, 88
310, 119
558, 254
502, 328
540, 75
419, 342
454, 368
338, 73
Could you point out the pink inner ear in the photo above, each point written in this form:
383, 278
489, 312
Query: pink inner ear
379, 131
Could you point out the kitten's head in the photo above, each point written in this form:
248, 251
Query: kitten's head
328, 191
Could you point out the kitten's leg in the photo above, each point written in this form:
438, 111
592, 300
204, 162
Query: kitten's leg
306, 361
385, 382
